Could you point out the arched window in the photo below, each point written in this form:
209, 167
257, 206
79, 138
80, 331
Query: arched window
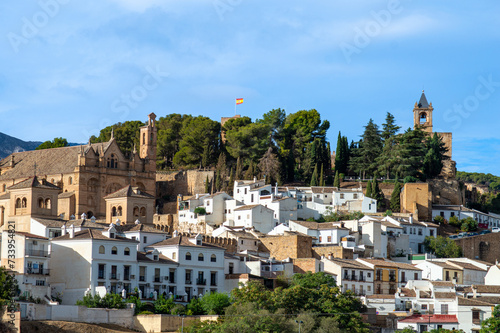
112, 162
119, 212
213, 258
70, 181
188, 256
113, 188
3, 187
101, 249
174, 255
92, 185
24, 203
423, 117
47, 203
136, 211
113, 211
200, 257
114, 250
41, 203
126, 251
143, 211
143, 138
18, 203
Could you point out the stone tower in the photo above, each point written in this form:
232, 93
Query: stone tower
148, 139
422, 114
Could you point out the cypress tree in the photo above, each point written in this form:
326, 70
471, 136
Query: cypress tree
314, 177
231, 181
321, 177
369, 189
218, 181
336, 182
395, 198
250, 172
239, 169
207, 185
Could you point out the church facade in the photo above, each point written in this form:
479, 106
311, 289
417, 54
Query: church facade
85, 174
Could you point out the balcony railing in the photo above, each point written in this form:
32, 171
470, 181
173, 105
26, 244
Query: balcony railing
37, 253
188, 282
101, 275
156, 279
213, 283
126, 277
201, 282
31, 270
114, 276
142, 278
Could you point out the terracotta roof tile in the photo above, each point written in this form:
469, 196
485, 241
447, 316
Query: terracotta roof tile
466, 265
381, 296
141, 256
444, 295
92, 234
350, 263
138, 227
406, 292
388, 263
433, 319
129, 192
182, 241
33, 182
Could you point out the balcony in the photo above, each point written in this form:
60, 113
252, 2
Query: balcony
126, 277
101, 275
157, 279
114, 276
201, 282
362, 278
142, 278
213, 283
37, 253
31, 270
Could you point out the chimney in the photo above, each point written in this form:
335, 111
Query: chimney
63, 230
474, 291
254, 179
411, 218
71, 231
12, 161
276, 189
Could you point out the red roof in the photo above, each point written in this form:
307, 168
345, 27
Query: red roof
434, 319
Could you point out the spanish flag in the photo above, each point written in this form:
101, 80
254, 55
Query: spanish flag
239, 101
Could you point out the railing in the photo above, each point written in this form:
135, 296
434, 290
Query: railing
114, 276
362, 278
142, 278
126, 277
201, 282
31, 270
156, 279
37, 253
213, 283
188, 281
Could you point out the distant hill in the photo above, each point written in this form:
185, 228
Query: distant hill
9, 145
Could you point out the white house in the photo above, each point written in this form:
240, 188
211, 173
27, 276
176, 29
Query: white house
423, 323
324, 233
201, 266
143, 233
253, 216
492, 277
485, 220
351, 275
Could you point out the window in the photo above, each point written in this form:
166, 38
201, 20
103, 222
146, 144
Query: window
126, 251
242, 242
112, 162
101, 249
251, 198
188, 256
355, 196
329, 239
415, 276
200, 257
213, 258
213, 278
431, 233
70, 180
452, 214
404, 230
40, 282
114, 250
442, 214
24, 203
341, 195
119, 212
476, 317
424, 306
145, 239
444, 308
174, 255
420, 231
101, 271
320, 239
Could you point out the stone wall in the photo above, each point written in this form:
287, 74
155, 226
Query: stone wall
169, 184
166, 323
482, 247
416, 198
304, 265
446, 192
333, 251
287, 246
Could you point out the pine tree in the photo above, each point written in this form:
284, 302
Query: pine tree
411, 151
395, 198
369, 189
369, 148
314, 177
239, 169
389, 128
321, 177
336, 182
436, 153
207, 185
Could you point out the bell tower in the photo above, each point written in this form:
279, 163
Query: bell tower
422, 114
148, 140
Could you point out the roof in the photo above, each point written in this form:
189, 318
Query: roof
444, 295
422, 103
349, 263
28, 235
5, 196
443, 265
317, 189
247, 207
141, 256
388, 263
183, 241
433, 319
484, 289
474, 302
138, 227
467, 265
33, 182
259, 188
92, 234
406, 292
442, 283
66, 195
129, 192
48, 161
390, 225
319, 226
379, 296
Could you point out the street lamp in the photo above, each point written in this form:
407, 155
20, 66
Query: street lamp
182, 323
300, 322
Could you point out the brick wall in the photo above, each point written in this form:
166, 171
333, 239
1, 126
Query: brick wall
335, 251
482, 247
287, 246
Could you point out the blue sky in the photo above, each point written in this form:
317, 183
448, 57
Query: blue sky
69, 68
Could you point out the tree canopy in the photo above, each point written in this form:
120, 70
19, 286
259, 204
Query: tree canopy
56, 143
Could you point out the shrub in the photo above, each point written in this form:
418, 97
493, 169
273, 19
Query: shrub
454, 221
178, 309
410, 179
388, 212
438, 219
200, 211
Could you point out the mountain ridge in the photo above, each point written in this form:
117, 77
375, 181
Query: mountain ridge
10, 144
